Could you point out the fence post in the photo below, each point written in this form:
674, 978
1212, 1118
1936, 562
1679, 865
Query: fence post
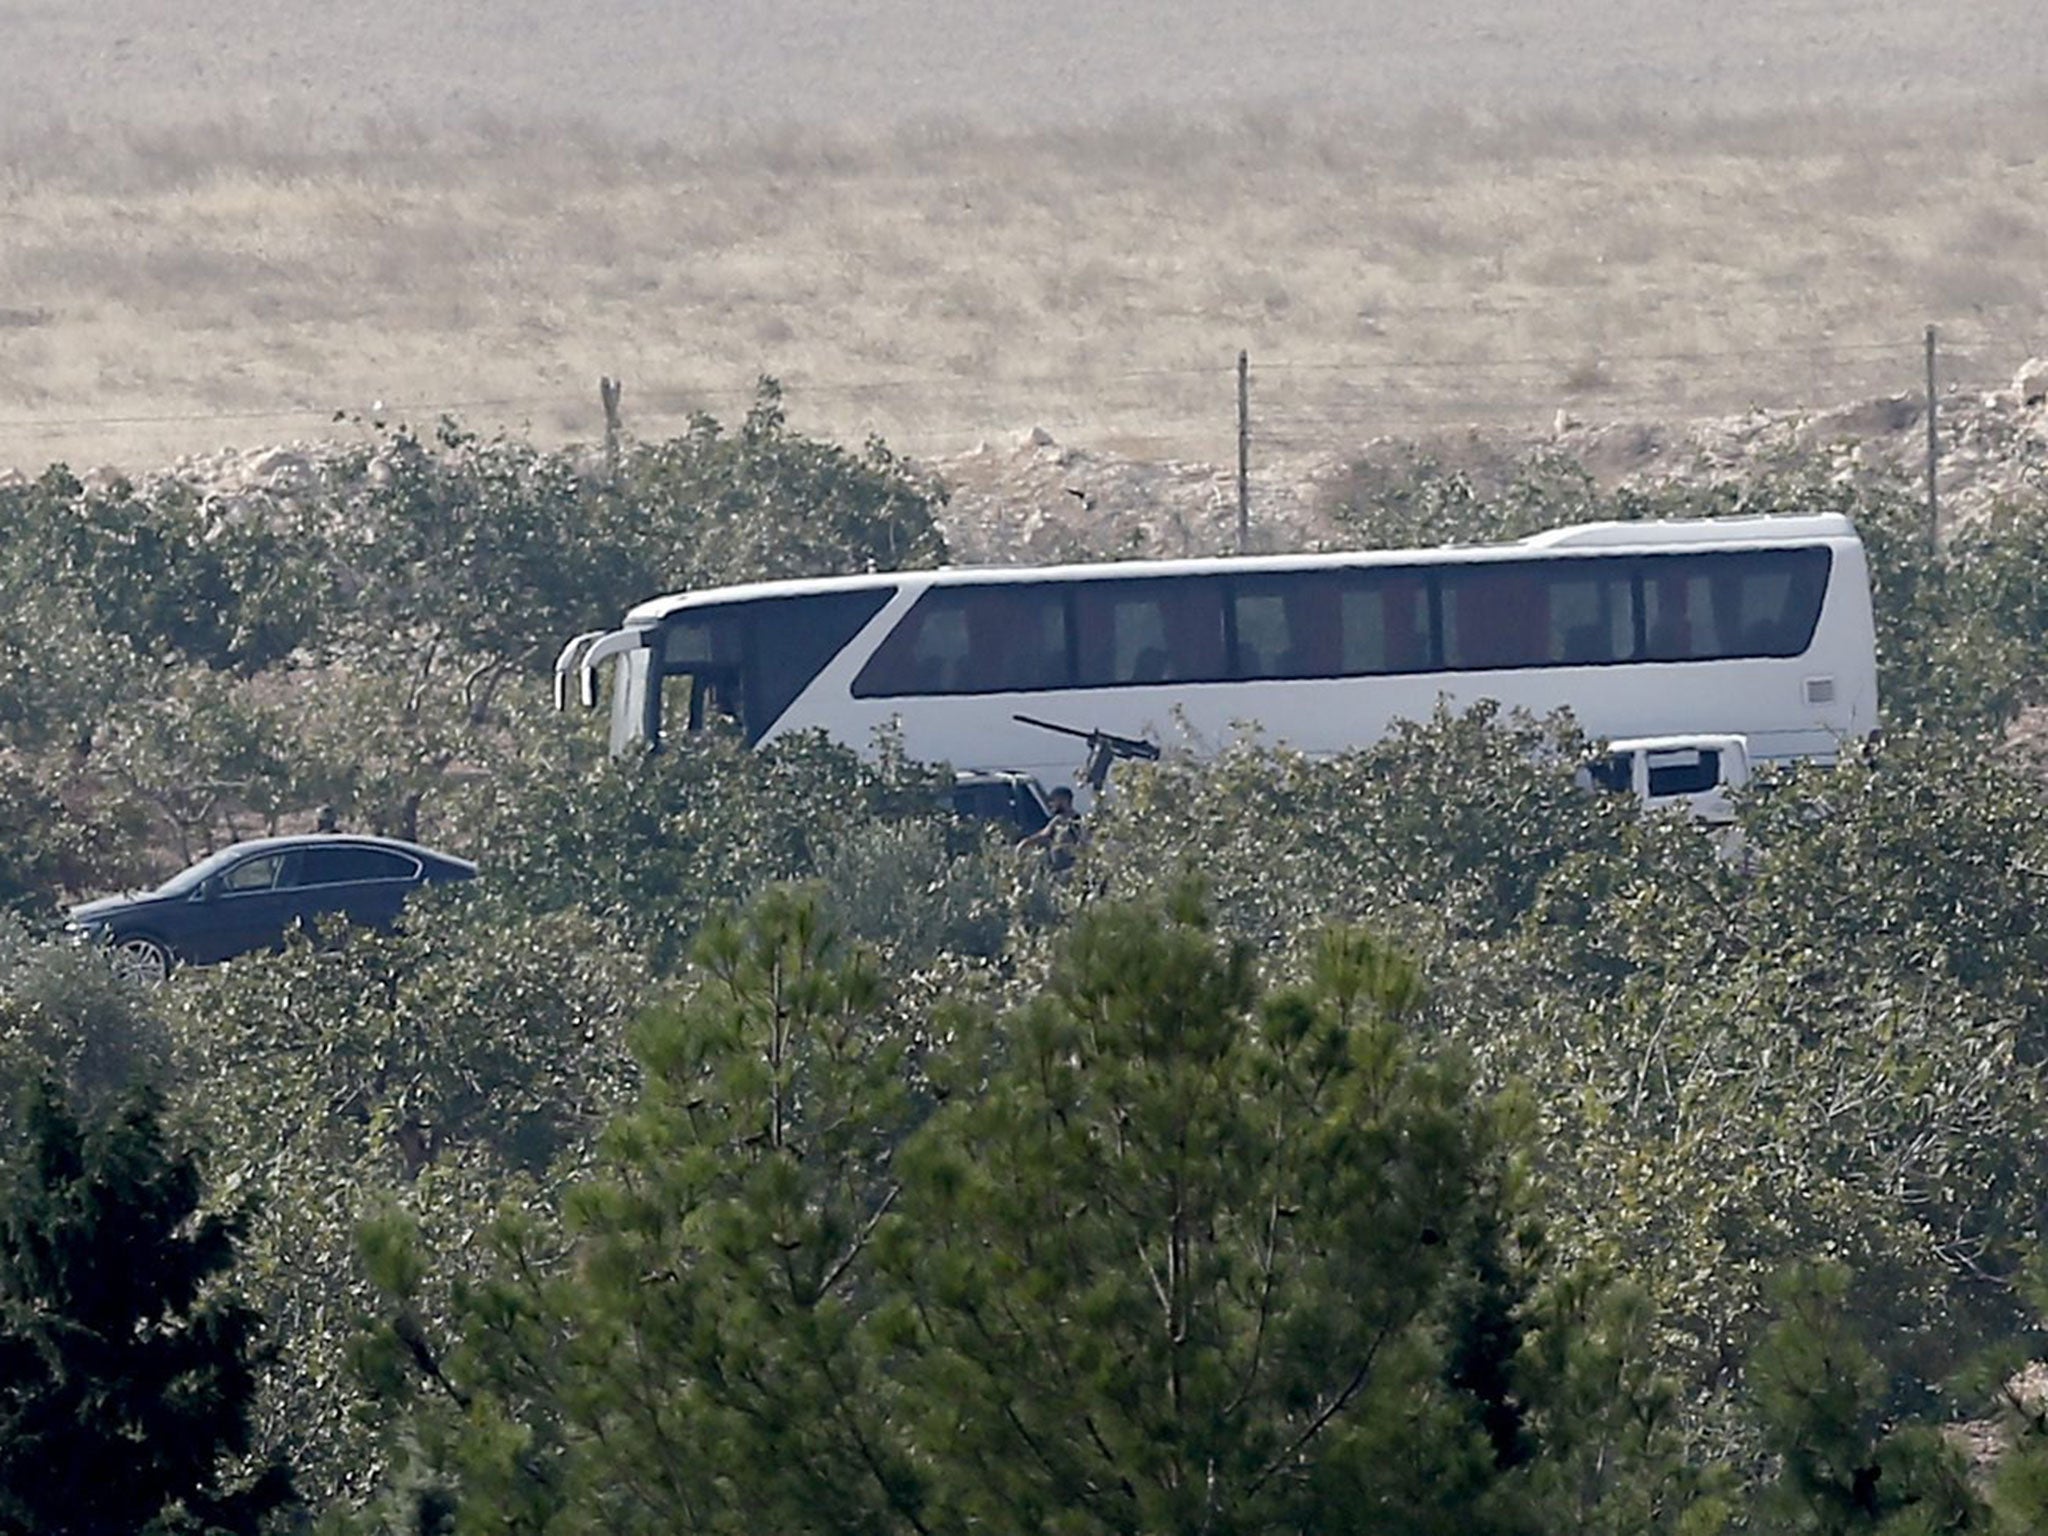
1933, 454
1244, 442
608, 390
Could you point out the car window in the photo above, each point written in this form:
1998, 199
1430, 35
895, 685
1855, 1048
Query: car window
350, 865
258, 874
1684, 773
1614, 772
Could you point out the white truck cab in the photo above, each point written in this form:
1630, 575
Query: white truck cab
1689, 773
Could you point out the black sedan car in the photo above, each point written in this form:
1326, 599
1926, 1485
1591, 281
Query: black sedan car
246, 897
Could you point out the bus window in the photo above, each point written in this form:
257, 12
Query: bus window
790, 640
1331, 624
1005, 637
1266, 626
702, 651
1592, 612
1017, 639
1161, 630
1384, 623
1721, 606
1494, 617
1578, 613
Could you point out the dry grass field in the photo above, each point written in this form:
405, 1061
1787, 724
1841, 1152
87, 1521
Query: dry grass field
1648, 236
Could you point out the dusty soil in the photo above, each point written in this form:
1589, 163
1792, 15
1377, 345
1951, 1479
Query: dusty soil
653, 69
935, 221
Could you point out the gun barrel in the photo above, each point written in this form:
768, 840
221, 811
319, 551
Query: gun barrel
1117, 746
1047, 725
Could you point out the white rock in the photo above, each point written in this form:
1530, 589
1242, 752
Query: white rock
1037, 437
2032, 381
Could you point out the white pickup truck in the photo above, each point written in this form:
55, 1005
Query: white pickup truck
1689, 773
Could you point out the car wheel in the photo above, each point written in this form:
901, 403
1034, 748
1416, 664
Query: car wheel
141, 960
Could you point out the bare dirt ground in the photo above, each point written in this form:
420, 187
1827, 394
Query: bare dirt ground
944, 222
654, 70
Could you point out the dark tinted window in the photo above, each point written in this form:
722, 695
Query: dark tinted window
1484, 616
793, 639
1563, 613
1161, 630
1614, 772
346, 866
1762, 602
704, 639
1000, 638
749, 661
999, 800
1331, 624
1684, 773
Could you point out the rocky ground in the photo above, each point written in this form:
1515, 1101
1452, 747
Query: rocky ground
1033, 499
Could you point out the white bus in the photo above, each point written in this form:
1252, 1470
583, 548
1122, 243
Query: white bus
1754, 627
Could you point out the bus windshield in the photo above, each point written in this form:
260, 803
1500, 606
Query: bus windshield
746, 662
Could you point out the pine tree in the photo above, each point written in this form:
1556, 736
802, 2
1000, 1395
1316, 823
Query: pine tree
1842, 1469
126, 1372
1159, 1250
1204, 1256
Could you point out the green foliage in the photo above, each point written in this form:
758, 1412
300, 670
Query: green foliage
126, 1373
1694, 1071
500, 550
201, 758
764, 502
63, 1016
655, 844
437, 1073
40, 848
1418, 499
699, 1365
1445, 830
904, 887
1831, 1048
1158, 1249
171, 574
1172, 1269
1840, 1468
185, 661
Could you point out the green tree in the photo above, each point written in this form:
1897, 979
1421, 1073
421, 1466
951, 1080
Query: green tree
64, 1016
1841, 1467
439, 1073
1202, 1256
657, 843
126, 1373
1157, 1250
699, 1365
763, 501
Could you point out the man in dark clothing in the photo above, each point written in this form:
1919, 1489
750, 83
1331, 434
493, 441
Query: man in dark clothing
1062, 835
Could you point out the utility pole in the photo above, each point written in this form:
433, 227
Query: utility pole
1933, 454
1244, 450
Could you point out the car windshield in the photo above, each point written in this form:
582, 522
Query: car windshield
187, 881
